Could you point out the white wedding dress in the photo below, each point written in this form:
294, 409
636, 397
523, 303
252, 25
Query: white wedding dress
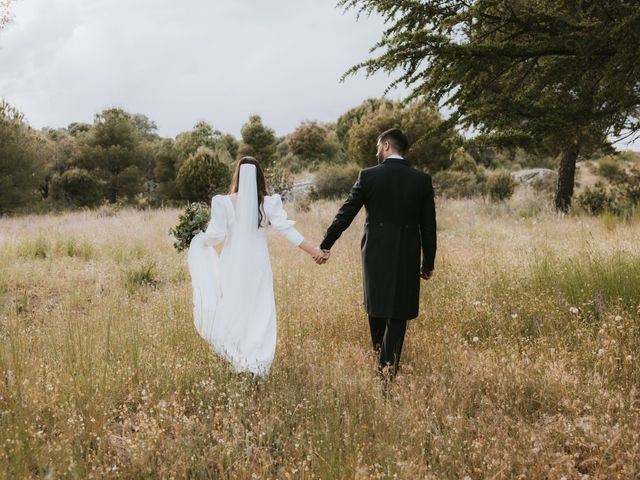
234, 308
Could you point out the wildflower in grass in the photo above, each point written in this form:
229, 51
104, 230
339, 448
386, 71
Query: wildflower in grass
574, 311
475, 339
618, 318
514, 315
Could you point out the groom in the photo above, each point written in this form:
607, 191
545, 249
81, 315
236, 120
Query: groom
400, 222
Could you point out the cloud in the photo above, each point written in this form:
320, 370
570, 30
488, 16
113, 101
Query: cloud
180, 62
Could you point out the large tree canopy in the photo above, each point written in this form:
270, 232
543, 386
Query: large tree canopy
559, 76
113, 150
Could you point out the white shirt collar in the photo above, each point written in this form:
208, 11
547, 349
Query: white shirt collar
395, 156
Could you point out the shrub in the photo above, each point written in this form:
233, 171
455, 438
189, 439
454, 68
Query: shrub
279, 180
545, 183
457, 184
72, 248
609, 168
303, 203
501, 186
292, 163
630, 186
595, 200
334, 181
77, 187
141, 275
202, 176
463, 162
37, 248
622, 199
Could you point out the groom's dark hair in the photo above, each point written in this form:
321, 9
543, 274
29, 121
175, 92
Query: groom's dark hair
396, 138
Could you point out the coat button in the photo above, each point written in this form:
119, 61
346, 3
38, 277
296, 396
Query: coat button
380, 223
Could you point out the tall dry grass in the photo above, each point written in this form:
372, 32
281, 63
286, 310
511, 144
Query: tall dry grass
522, 364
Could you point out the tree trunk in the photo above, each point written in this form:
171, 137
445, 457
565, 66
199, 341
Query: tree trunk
566, 176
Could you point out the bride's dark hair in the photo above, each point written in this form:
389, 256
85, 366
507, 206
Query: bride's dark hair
261, 183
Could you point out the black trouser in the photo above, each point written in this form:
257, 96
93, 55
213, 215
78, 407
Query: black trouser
387, 336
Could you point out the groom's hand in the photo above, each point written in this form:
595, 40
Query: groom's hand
425, 274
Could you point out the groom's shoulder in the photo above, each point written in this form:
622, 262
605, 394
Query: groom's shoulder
370, 170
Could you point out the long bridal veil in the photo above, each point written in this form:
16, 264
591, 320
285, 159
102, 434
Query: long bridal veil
246, 222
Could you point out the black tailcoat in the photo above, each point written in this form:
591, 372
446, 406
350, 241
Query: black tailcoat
400, 223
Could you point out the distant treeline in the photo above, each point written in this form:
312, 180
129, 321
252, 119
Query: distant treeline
120, 158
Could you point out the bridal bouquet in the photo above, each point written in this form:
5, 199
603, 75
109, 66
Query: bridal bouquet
193, 220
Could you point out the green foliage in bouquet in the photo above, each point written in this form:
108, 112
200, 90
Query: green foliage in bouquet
194, 219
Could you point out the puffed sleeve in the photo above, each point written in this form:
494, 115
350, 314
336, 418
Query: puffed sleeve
217, 228
278, 219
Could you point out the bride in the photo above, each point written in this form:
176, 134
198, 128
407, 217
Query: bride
234, 309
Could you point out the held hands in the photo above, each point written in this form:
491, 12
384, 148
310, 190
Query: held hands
321, 256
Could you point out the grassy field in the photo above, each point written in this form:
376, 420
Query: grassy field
524, 362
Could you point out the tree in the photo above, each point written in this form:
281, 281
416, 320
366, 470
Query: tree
113, 152
258, 141
307, 140
354, 115
202, 176
166, 161
76, 187
146, 127
63, 154
231, 144
76, 129
552, 76
202, 135
166, 169
21, 160
312, 142
416, 120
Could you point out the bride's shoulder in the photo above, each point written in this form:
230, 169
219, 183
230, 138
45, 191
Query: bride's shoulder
219, 199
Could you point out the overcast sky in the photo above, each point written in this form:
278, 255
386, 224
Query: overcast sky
62, 61
179, 62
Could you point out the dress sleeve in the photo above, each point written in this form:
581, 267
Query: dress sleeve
217, 228
278, 219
